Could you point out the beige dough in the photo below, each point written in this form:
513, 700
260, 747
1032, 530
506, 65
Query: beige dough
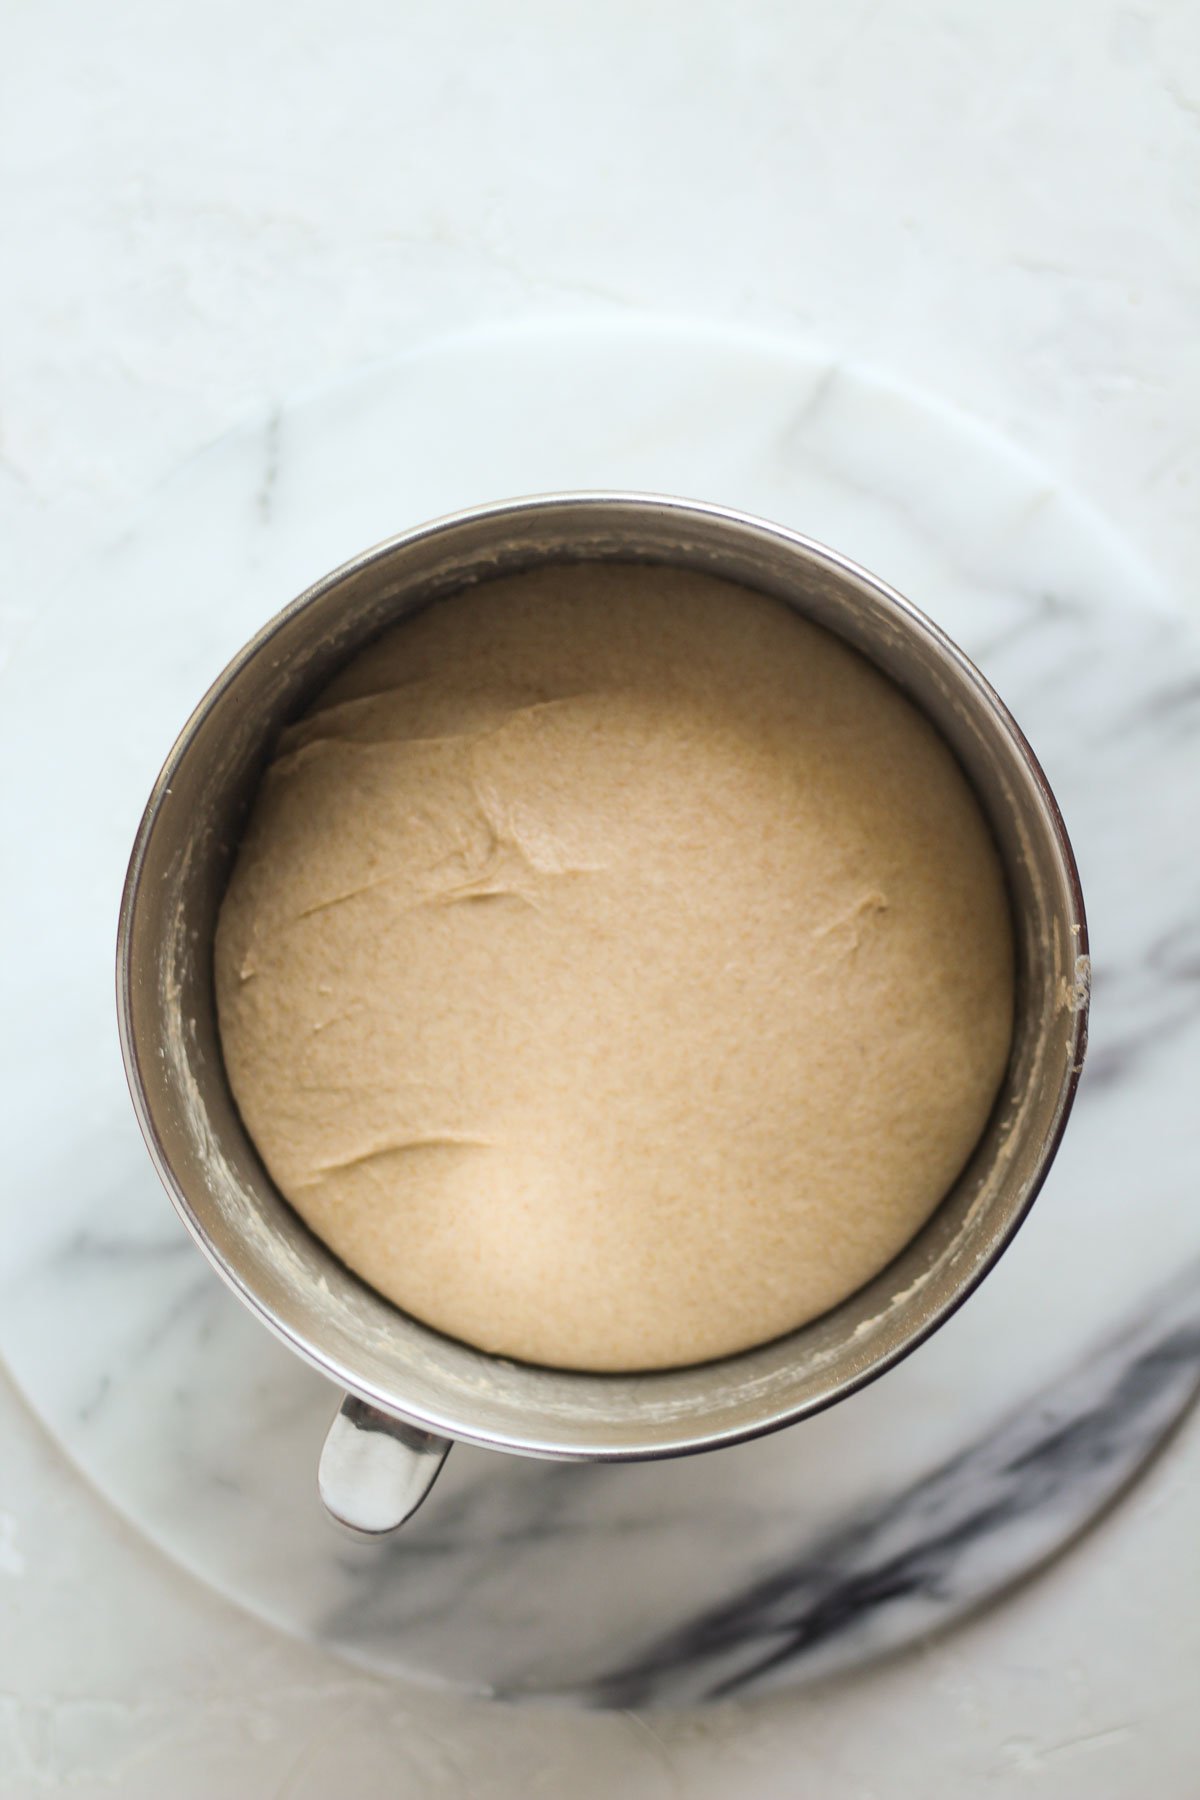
616, 970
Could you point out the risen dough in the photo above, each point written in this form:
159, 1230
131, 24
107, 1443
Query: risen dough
616, 970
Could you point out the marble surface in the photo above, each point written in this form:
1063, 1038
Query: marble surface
774, 1562
210, 210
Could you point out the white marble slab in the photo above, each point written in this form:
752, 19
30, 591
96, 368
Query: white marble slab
897, 1511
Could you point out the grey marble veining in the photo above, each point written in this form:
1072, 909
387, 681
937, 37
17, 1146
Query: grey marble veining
650, 1584
950, 1540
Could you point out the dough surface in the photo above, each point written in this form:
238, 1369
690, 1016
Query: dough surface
616, 970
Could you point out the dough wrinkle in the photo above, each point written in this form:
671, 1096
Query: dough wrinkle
446, 1140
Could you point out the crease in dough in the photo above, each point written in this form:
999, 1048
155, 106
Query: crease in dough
446, 1140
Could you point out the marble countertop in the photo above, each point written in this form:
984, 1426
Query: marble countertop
995, 206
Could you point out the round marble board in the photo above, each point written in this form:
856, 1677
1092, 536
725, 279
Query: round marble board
640, 1584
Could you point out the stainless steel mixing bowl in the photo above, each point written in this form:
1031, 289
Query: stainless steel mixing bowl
409, 1390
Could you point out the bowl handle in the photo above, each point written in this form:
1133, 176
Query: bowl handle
375, 1470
